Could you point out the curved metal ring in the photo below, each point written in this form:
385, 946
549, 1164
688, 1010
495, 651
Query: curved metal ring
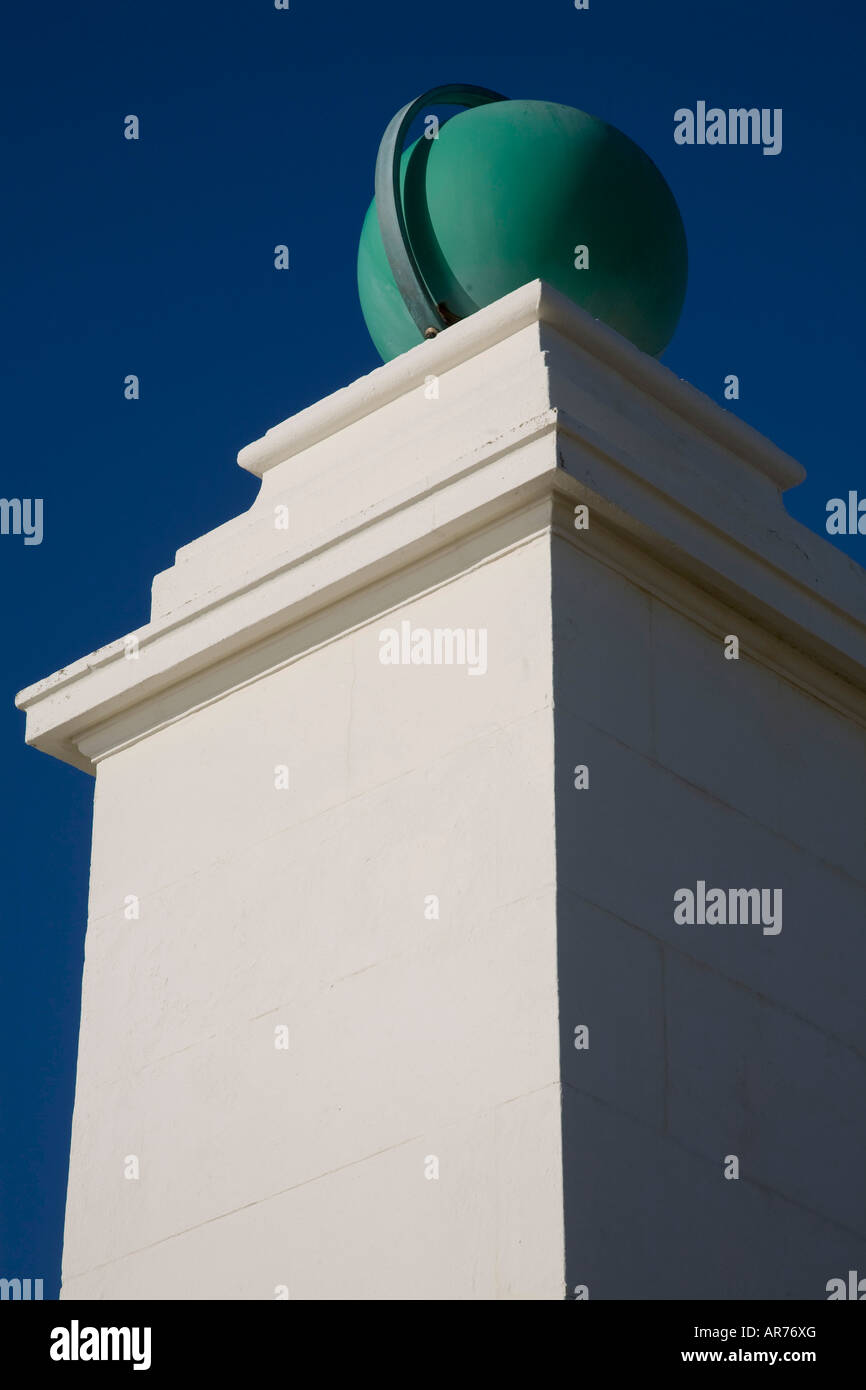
404, 265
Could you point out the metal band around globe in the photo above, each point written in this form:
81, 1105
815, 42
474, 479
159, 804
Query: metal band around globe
407, 272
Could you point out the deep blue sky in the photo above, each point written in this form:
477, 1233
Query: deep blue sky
259, 127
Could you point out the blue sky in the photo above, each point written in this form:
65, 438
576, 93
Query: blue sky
155, 257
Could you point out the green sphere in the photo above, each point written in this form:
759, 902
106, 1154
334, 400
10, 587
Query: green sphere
507, 194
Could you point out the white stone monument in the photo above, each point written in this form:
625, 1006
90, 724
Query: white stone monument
405, 798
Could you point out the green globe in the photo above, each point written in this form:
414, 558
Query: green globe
509, 192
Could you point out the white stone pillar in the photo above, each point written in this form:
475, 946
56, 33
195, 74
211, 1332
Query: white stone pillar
347, 916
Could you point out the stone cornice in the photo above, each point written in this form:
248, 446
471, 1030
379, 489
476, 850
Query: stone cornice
392, 493
539, 303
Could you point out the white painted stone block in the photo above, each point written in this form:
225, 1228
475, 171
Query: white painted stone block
224, 906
